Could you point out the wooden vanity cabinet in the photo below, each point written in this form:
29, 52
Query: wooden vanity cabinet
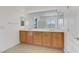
49, 39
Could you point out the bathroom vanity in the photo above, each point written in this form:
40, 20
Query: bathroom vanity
44, 28
53, 39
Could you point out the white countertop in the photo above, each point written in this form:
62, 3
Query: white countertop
39, 29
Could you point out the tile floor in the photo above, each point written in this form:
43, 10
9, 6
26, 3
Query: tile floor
27, 48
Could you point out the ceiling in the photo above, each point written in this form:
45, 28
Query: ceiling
30, 9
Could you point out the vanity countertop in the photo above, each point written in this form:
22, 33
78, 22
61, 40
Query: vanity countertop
39, 29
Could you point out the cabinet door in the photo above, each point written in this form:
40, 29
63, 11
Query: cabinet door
57, 40
46, 39
23, 36
37, 38
60, 36
29, 37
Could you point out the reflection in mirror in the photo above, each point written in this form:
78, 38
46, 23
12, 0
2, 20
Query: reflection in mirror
49, 19
22, 21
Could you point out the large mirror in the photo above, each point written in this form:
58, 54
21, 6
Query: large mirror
47, 19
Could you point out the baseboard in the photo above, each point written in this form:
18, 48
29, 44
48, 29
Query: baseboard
9, 47
66, 51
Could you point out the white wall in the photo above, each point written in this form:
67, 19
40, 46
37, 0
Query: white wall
71, 28
9, 24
